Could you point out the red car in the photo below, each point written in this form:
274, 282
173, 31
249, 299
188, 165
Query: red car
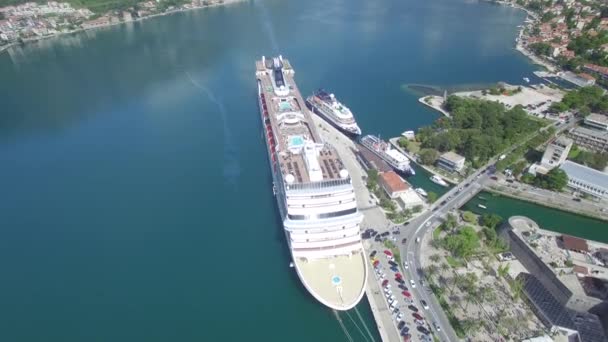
385, 282
387, 252
376, 263
398, 275
417, 316
407, 294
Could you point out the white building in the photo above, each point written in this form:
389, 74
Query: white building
451, 161
556, 153
597, 121
586, 179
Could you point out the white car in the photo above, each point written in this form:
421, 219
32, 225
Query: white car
424, 304
399, 316
412, 283
382, 276
405, 265
390, 300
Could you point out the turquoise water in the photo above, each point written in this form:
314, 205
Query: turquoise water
136, 197
547, 218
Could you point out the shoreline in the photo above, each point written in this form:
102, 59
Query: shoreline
79, 30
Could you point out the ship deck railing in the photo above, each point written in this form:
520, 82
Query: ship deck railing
325, 184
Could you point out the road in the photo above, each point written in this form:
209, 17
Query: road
427, 222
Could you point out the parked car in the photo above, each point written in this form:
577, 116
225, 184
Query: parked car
385, 283
404, 241
400, 325
418, 316
385, 234
392, 263
423, 330
373, 254
412, 307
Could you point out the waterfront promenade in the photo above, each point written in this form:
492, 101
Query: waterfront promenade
435, 103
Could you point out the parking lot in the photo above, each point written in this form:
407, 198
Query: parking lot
408, 312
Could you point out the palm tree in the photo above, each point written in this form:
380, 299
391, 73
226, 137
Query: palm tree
517, 287
469, 297
444, 267
503, 270
434, 257
431, 271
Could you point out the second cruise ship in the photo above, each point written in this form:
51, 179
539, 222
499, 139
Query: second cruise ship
333, 111
314, 192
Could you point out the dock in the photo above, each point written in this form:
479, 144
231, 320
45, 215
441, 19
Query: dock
374, 217
435, 103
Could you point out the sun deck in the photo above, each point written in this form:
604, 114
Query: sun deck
338, 282
294, 133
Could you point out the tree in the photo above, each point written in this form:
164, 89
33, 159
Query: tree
557, 179
428, 156
431, 271
470, 326
418, 208
503, 270
432, 197
372, 179
541, 48
464, 243
517, 287
403, 142
434, 257
450, 221
490, 220
469, 217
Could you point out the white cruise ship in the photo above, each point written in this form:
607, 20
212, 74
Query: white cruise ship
333, 111
315, 195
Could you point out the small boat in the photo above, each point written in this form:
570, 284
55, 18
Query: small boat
482, 198
527, 80
438, 180
421, 192
482, 206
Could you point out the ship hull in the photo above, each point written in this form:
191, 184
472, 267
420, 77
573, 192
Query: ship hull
315, 110
409, 171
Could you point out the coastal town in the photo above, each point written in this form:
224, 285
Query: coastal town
32, 21
412, 222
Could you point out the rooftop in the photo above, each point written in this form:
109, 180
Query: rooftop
393, 182
585, 173
575, 244
601, 118
452, 157
582, 130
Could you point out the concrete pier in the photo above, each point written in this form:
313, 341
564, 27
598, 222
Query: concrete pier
374, 217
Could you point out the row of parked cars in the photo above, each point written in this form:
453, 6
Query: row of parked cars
393, 298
